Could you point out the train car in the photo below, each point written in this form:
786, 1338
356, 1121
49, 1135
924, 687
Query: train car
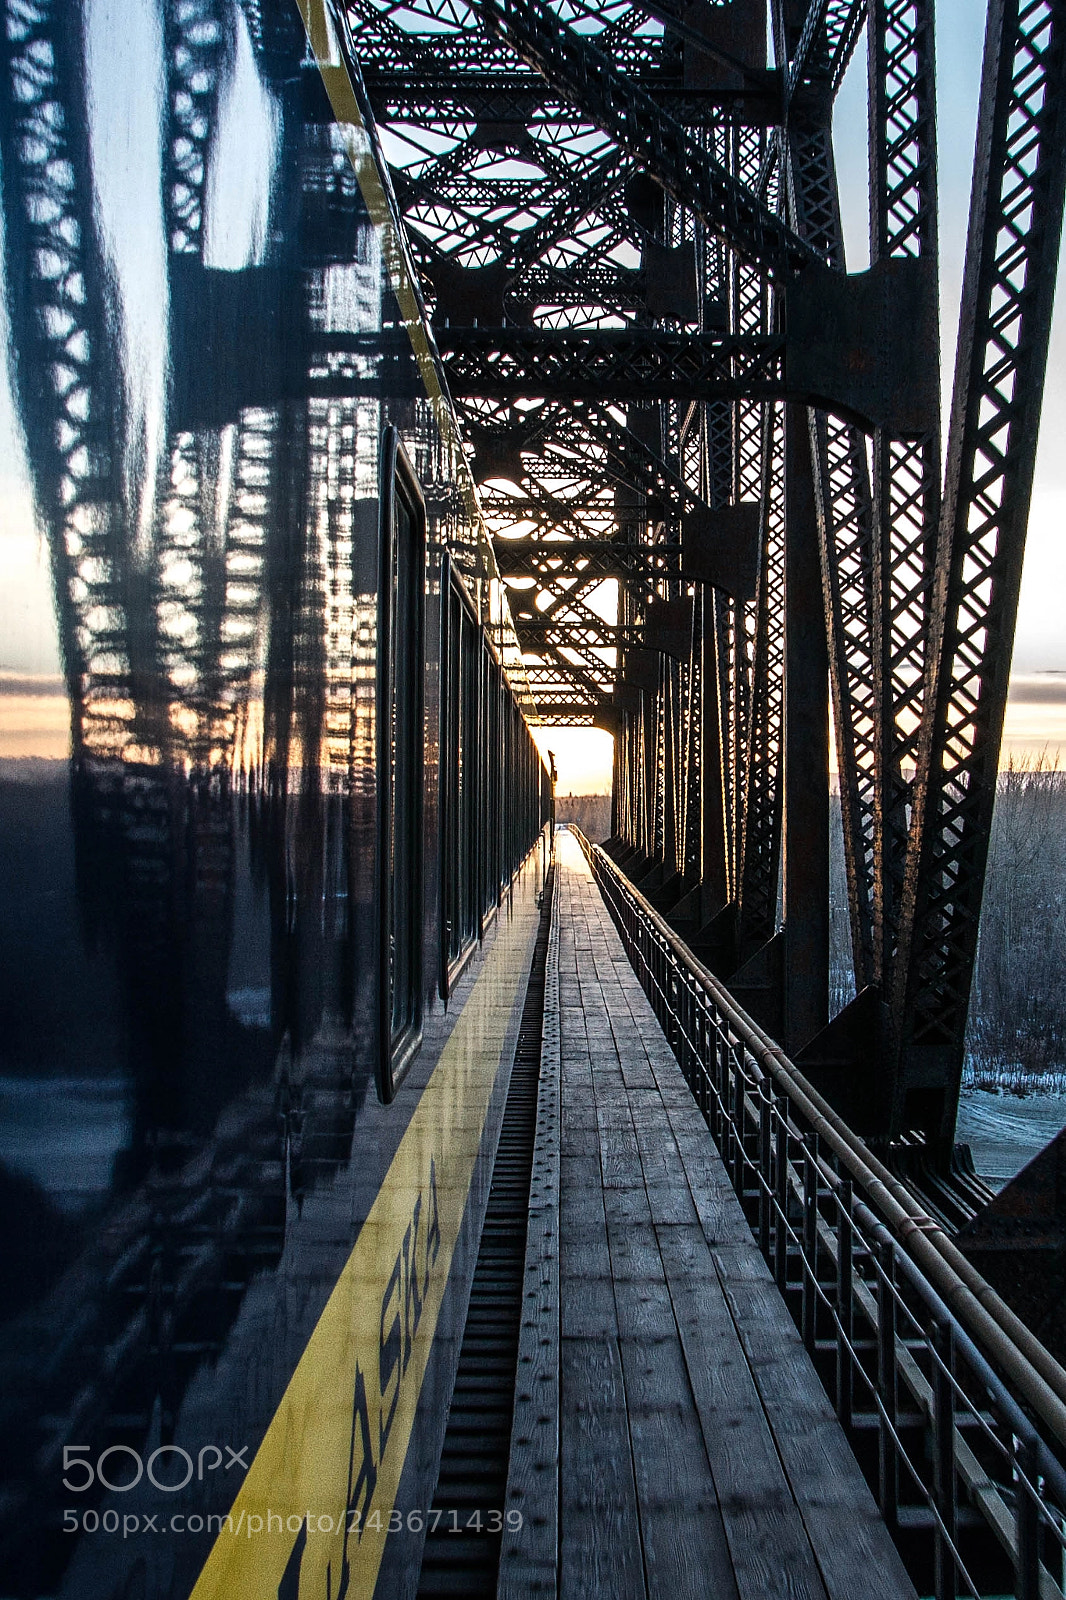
273, 821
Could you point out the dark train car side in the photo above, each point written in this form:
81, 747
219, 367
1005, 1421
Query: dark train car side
272, 822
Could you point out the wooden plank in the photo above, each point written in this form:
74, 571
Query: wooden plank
644, 1310
685, 1546
667, 1177
599, 1543
587, 1307
619, 1161
582, 1257
760, 1527
580, 1138
717, 1206
829, 1487
771, 1553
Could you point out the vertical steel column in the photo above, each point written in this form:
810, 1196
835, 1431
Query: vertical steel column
1008, 293
809, 1253
669, 759
781, 1191
750, 311
806, 752
841, 478
906, 472
760, 854
942, 1356
714, 877
717, 880
887, 1386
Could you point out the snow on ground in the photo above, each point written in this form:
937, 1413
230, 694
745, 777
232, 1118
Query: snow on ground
1005, 1132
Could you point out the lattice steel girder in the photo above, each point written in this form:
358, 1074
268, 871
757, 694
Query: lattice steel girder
550, 667
581, 283
906, 472
844, 516
548, 513
1008, 293
534, 634
607, 558
566, 605
588, 436
667, 152
827, 40
437, 36
571, 214
837, 370
760, 844
830, 32
503, 98
610, 364
562, 713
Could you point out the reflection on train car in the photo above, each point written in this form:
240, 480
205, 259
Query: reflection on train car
401, 774
298, 780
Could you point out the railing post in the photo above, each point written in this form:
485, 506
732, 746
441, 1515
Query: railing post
942, 1345
845, 1308
781, 1195
887, 1384
721, 1084
765, 1180
705, 1062
1026, 1520
736, 1117
810, 1240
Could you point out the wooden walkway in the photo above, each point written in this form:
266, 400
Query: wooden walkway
671, 1437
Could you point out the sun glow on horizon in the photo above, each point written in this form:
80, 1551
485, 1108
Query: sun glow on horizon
584, 758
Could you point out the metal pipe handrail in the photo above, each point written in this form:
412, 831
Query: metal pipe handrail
994, 1327
961, 1446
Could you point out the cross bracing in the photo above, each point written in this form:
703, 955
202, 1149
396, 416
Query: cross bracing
713, 467
622, 215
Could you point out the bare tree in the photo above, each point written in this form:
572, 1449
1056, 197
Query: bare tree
1017, 1029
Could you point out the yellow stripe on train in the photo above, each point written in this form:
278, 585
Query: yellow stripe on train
337, 1444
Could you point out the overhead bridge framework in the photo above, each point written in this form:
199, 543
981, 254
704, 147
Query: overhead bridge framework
712, 458
627, 223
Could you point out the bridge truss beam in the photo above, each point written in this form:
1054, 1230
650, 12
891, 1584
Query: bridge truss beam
717, 509
620, 355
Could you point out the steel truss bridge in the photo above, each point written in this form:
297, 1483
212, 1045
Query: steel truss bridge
627, 221
712, 459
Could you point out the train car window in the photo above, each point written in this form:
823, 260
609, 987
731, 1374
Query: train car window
461, 746
496, 781
449, 778
453, 931
401, 759
472, 746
